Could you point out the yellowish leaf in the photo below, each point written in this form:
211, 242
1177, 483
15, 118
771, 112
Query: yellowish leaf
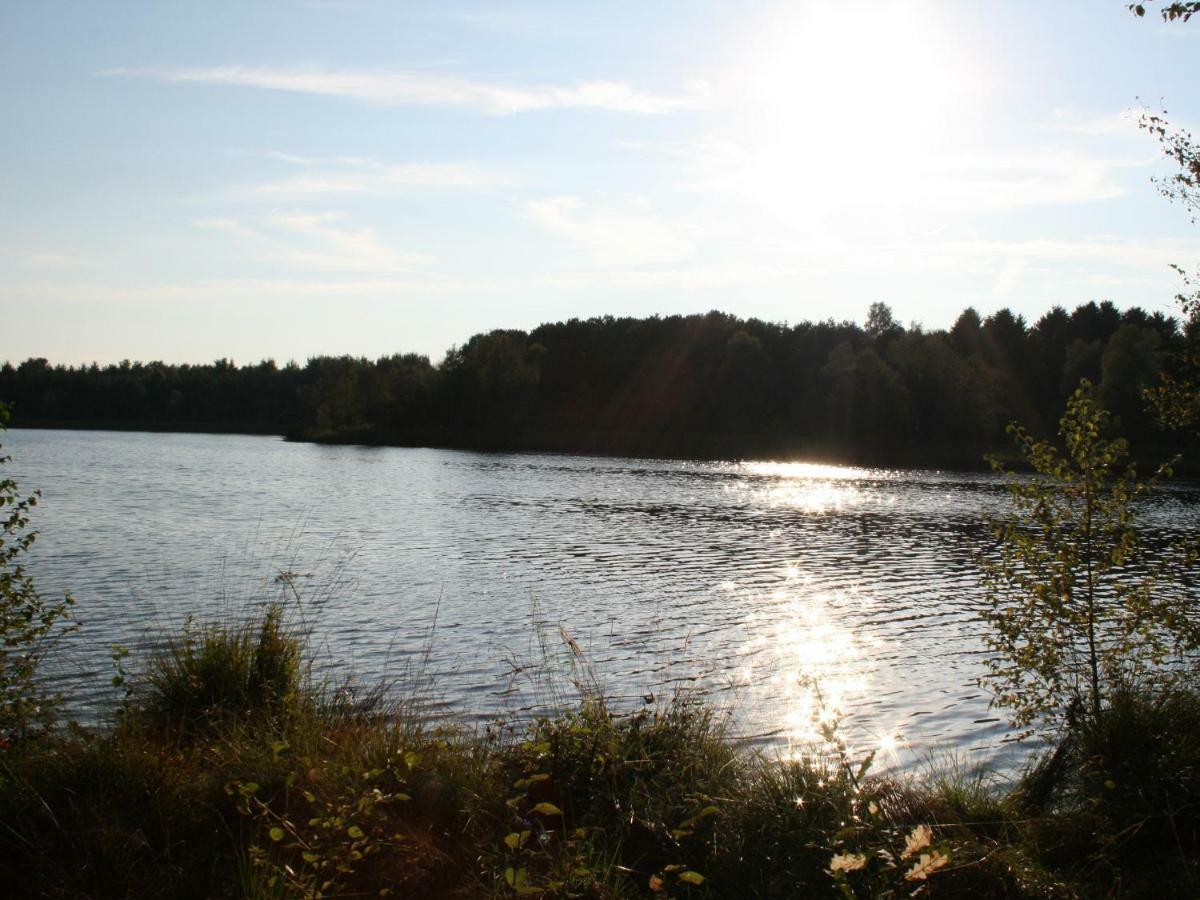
847, 862
926, 865
918, 839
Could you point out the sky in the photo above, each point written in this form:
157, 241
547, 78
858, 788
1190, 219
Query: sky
194, 181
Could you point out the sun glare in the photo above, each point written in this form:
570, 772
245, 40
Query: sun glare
812, 487
841, 103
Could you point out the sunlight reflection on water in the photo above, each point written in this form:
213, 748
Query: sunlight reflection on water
812, 672
811, 487
813, 471
797, 596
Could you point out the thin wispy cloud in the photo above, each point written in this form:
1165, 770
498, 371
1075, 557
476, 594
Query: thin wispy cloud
42, 259
998, 267
1049, 177
615, 231
986, 181
1111, 251
359, 176
432, 90
1124, 122
498, 20
333, 5
316, 242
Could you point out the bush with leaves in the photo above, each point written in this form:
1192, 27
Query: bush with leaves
1076, 606
28, 621
330, 832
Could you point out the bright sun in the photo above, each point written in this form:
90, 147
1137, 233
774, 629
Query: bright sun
842, 105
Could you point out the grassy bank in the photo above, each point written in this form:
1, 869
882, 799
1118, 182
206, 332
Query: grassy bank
229, 772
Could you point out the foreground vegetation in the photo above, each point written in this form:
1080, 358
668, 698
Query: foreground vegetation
229, 773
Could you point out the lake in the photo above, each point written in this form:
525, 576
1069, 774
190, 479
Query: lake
490, 581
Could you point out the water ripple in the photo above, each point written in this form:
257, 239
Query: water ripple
789, 592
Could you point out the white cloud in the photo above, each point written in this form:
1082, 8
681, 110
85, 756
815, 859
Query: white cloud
1016, 267
353, 175
1117, 251
496, 20
1005, 182
333, 5
315, 242
42, 259
1072, 121
424, 89
615, 231
815, 189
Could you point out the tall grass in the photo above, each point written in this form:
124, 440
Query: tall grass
233, 773
219, 671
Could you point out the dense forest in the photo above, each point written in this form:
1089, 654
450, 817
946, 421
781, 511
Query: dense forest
703, 385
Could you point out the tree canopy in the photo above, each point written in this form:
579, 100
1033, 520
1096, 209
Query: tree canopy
699, 385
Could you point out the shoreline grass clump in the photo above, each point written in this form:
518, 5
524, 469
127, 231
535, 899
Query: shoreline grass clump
220, 670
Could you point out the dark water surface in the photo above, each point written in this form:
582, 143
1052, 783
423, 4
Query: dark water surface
779, 589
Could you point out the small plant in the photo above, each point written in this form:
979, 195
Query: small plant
879, 869
866, 857
1075, 607
28, 621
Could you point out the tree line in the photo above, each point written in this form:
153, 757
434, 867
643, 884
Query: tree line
698, 385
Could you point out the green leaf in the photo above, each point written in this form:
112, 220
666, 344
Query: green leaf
277, 833
690, 877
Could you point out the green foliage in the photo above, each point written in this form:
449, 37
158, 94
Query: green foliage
329, 826
219, 671
1074, 608
592, 785
28, 621
699, 385
1118, 798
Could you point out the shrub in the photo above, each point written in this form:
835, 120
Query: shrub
28, 621
1075, 606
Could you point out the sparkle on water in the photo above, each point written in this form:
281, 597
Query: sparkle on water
798, 596
819, 671
814, 488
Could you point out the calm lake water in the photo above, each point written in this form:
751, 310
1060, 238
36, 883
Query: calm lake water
774, 588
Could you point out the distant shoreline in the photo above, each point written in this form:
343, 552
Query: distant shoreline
146, 427
697, 447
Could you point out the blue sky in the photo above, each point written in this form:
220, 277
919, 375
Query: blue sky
186, 181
